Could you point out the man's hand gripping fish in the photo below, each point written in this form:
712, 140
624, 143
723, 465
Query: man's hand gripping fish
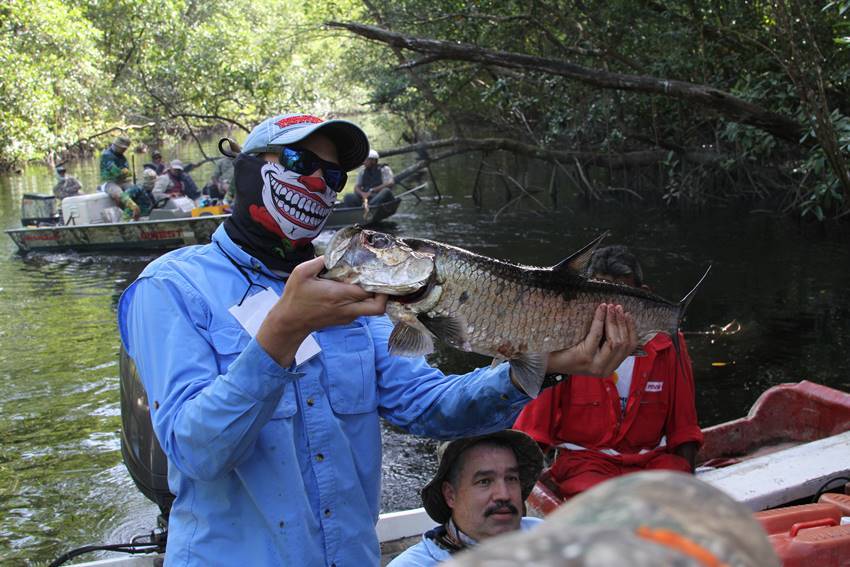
488, 306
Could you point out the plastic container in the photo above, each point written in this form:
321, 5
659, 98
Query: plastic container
780, 520
840, 501
820, 543
85, 209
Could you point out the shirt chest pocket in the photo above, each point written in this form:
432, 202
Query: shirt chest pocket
229, 342
349, 357
586, 418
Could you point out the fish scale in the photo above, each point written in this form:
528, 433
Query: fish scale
534, 309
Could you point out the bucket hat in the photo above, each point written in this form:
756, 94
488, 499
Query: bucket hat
122, 142
528, 456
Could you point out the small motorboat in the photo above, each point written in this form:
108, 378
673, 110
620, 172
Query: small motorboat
85, 228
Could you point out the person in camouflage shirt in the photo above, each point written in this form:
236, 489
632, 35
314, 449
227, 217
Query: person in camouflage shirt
115, 175
66, 185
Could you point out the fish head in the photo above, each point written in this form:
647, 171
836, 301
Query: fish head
377, 262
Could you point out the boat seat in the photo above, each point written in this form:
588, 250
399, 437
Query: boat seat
783, 476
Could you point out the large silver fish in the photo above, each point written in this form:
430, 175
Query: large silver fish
488, 306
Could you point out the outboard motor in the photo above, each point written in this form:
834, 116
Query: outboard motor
140, 448
38, 210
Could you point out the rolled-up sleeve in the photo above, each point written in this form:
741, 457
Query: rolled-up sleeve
682, 425
424, 401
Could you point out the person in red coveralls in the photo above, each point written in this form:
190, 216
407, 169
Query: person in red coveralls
641, 417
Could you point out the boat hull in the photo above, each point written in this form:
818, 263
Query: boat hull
159, 235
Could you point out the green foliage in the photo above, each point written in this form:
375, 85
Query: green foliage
824, 197
71, 68
74, 67
49, 77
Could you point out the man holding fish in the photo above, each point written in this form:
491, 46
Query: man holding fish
269, 408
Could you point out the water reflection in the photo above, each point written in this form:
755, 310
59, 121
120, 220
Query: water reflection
61, 481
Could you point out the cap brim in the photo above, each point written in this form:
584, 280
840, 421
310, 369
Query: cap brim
351, 142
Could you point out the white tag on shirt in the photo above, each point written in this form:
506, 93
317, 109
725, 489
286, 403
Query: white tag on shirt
308, 349
254, 309
654, 386
252, 313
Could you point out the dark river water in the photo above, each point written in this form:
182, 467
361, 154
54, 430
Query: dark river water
62, 482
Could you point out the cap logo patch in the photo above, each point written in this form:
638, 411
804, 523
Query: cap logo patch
300, 119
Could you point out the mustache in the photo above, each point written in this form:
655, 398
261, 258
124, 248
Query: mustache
499, 508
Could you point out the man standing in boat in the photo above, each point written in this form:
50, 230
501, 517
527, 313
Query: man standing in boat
641, 417
268, 402
116, 178
478, 492
374, 183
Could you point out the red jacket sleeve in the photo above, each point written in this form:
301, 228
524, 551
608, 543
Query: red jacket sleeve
682, 424
540, 418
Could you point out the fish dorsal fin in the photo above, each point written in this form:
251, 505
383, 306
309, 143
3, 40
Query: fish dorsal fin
578, 262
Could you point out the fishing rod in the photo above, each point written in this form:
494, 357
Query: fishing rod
133, 165
417, 188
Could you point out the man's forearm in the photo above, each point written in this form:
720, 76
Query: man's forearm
688, 451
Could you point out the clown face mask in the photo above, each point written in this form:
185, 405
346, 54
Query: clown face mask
298, 205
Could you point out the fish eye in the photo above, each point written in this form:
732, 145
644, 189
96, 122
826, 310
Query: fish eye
377, 240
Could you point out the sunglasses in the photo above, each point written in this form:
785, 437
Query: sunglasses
306, 162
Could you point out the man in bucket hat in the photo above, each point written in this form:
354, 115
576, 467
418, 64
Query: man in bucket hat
478, 492
268, 404
116, 178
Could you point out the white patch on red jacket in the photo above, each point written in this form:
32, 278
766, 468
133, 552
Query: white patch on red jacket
299, 204
654, 386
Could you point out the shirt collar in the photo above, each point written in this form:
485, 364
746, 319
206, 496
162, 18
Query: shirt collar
236, 252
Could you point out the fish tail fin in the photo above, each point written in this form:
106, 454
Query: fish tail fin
683, 306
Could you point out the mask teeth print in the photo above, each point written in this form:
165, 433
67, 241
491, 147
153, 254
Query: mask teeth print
297, 207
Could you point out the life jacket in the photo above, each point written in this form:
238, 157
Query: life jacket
372, 177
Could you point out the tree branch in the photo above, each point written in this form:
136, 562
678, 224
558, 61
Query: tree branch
727, 105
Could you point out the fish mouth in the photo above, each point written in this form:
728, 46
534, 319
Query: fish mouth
415, 296
297, 205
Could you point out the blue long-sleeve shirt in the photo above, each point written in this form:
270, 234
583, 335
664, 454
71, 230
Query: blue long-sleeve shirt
277, 466
428, 553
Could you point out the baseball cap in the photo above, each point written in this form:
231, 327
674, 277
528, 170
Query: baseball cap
176, 164
269, 135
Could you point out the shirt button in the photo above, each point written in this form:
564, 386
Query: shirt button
310, 401
320, 457
327, 513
